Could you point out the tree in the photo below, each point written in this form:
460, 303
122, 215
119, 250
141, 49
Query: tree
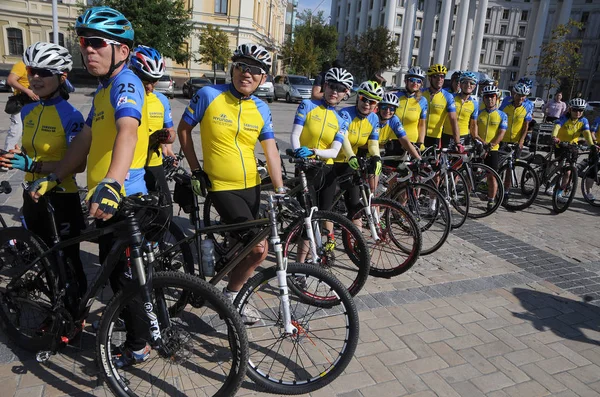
214, 47
370, 53
560, 57
162, 24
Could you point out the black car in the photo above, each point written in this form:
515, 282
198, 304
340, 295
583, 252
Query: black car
4, 87
194, 84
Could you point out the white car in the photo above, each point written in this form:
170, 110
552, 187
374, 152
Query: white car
537, 102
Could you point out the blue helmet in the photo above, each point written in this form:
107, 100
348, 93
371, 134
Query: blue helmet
527, 81
105, 22
147, 62
468, 76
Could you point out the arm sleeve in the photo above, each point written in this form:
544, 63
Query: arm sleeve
330, 153
295, 136
347, 147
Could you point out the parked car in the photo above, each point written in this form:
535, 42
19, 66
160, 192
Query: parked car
194, 84
537, 102
593, 107
4, 87
166, 86
504, 94
292, 88
266, 90
352, 92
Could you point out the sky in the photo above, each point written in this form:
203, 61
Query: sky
311, 4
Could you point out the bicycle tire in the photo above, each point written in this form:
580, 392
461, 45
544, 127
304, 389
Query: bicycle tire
476, 193
27, 311
527, 187
420, 205
596, 201
456, 197
571, 188
348, 262
382, 261
224, 328
338, 324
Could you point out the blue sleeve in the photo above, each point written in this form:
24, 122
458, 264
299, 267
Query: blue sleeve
71, 119
302, 111
585, 124
127, 96
561, 121
374, 120
26, 110
595, 125
90, 116
168, 119
265, 112
475, 109
424, 106
450, 105
344, 123
503, 121
505, 101
529, 107
194, 112
397, 127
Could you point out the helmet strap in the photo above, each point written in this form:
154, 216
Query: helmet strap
113, 66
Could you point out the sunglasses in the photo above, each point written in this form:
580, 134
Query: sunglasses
367, 100
438, 76
578, 110
337, 87
39, 72
414, 80
469, 82
391, 108
244, 67
96, 42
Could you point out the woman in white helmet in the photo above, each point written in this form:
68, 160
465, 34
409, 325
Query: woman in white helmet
49, 126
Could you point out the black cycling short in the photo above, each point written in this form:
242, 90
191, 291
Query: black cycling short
430, 141
447, 140
492, 160
352, 192
156, 182
236, 206
324, 186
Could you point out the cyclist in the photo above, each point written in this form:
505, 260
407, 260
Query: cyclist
455, 83
363, 129
231, 121
569, 128
49, 127
519, 110
149, 65
319, 130
440, 105
115, 141
412, 108
491, 127
467, 110
594, 128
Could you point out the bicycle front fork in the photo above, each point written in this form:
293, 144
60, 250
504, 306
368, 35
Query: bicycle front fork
372, 216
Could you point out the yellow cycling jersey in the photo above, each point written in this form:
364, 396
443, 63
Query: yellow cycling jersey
410, 111
567, 129
360, 130
391, 129
517, 116
48, 129
466, 111
230, 126
438, 106
120, 96
490, 123
321, 125
159, 117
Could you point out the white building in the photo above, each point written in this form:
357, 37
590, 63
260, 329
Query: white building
499, 37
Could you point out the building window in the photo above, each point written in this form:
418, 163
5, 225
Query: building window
416, 42
347, 12
503, 29
488, 13
15, 41
519, 46
420, 5
439, 7
220, 66
433, 45
522, 31
400, 3
61, 38
437, 25
419, 24
500, 46
486, 28
397, 38
381, 19
369, 21
455, 10
483, 44
221, 7
505, 14
480, 58
371, 5
524, 15
513, 76
498, 59
399, 20
413, 60
516, 61
584, 17
496, 74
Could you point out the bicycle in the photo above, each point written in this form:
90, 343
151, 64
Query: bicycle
7, 189
208, 343
590, 182
293, 303
522, 180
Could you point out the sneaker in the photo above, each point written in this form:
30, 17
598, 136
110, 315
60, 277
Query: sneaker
590, 197
560, 197
550, 190
249, 315
330, 245
125, 357
490, 204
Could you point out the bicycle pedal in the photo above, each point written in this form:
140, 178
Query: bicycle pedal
44, 355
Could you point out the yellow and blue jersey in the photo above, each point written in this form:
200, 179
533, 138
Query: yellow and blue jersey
321, 125
230, 126
465, 112
49, 126
391, 129
360, 130
120, 96
569, 130
595, 126
438, 106
517, 116
489, 123
410, 111
159, 117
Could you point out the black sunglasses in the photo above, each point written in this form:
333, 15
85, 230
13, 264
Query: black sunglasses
367, 100
96, 42
40, 72
244, 67
337, 87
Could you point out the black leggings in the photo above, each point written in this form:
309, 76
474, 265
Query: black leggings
352, 192
156, 182
323, 182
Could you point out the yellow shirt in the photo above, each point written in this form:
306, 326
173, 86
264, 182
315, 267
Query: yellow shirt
410, 112
20, 70
159, 117
570, 130
490, 123
517, 116
465, 112
438, 106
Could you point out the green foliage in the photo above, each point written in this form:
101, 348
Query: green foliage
300, 57
214, 47
372, 52
560, 57
161, 24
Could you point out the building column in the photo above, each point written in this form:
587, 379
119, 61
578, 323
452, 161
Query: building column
408, 34
565, 12
464, 63
390, 15
460, 32
537, 39
478, 36
364, 11
375, 14
341, 23
445, 16
427, 33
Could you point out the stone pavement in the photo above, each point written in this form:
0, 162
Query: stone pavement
507, 307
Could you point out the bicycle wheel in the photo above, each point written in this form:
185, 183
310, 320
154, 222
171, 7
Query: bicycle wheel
211, 217
590, 187
456, 196
431, 211
399, 243
348, 261
205, 348
478, 192
327, 334
524, 186
179, 260
27, 306
562, 202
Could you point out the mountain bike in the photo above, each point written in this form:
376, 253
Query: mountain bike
590, 182
521, 182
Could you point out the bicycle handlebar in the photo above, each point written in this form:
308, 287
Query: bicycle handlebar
297, 160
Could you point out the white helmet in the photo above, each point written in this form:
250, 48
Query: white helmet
489, 90
340, 75
522, 89
148, 62
253, 51
372, 89
390, 99
48, 56
416, 71
577, 103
